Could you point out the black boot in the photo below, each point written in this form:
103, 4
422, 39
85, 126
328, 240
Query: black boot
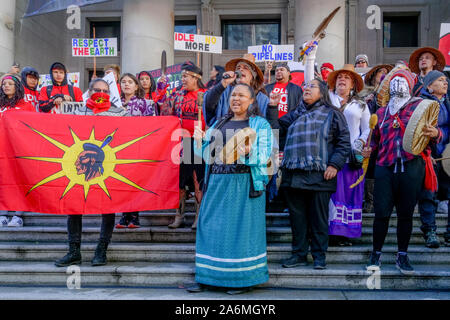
100, 254
72, 257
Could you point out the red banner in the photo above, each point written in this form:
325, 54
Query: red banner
444, 42
65, 164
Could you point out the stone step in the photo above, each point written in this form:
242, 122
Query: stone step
346, 276
185, 252
164, 218
164, 234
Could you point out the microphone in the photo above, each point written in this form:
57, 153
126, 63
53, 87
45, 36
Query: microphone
237, 73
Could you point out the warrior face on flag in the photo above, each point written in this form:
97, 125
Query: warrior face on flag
90, 162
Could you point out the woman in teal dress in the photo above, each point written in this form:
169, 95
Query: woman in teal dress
231, 236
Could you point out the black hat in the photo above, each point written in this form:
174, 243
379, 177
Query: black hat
190, 68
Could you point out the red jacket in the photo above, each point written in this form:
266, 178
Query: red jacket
21, 105
31, 96
46, 103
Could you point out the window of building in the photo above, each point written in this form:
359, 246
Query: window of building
401, 30
106, 29
186, 26
239, 34
99, 74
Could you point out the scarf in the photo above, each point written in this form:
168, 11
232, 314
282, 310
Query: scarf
307, 139
99, 102
400, 94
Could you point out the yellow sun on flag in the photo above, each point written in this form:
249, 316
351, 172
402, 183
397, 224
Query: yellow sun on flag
88, 162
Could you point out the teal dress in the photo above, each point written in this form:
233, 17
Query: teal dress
231, 233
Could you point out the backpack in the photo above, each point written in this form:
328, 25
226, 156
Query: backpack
71, 92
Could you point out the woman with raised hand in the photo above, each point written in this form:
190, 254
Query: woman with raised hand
317, 147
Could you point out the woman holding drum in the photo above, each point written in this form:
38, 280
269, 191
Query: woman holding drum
400, 171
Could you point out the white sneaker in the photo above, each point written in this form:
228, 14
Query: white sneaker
15, 222
442, 207
3, 221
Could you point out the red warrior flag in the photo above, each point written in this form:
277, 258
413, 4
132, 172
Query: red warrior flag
65, 164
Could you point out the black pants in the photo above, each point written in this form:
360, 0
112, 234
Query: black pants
74, 227
402, 190
308, 214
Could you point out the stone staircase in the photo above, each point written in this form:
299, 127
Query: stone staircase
155, 255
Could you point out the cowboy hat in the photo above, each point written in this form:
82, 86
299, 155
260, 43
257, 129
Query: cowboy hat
414, 59
249, 59
372, 72
349, 68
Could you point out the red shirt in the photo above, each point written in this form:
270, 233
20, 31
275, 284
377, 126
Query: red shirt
31, 96
46, 103
283, 105
21, 105
188, 111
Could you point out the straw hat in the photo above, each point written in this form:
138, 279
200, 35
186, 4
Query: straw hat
414, 59
250, 59
349, 68
372, 72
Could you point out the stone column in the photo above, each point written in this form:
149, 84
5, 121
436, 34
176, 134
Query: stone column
7, 19
309, 14
147, 30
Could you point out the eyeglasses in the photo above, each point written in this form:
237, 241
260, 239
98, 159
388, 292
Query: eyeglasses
310, 85
360, 61
100, 90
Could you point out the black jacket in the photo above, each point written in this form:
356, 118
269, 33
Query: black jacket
294, 92
338, 150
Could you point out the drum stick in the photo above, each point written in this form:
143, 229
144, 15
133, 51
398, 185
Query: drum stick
440, 159
200, 105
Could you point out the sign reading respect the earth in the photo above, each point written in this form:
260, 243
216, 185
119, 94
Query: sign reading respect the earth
269, 52
197, 43
101, 47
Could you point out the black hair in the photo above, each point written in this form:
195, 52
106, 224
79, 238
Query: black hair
18, 95
152, 80
94, 81
324, 93
253, 109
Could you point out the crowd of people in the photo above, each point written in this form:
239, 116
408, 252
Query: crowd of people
318, 133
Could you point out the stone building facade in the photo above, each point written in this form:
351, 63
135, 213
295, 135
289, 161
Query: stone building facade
145, 28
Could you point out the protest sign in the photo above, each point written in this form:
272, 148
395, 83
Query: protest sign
269, 52
101, 47
297, 72
46, 80
444, 43
69, 107
174, 75
197, 43
114, 95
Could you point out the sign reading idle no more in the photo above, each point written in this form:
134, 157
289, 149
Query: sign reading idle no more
269, 52
197, 43
101, 47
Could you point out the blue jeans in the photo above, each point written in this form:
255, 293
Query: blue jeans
427, 208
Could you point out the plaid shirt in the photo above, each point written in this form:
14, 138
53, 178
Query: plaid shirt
388, 141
